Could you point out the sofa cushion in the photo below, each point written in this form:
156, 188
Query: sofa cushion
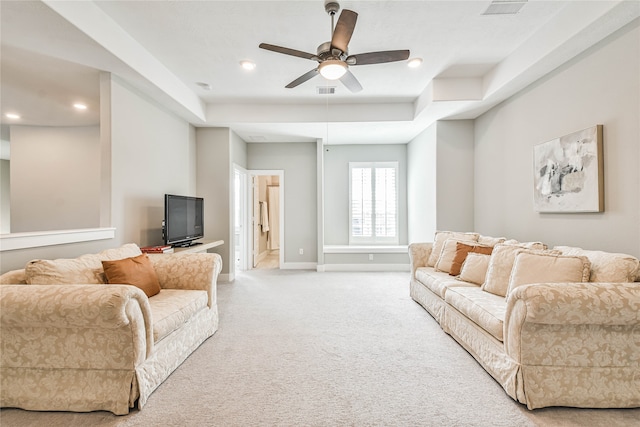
531, 267
136, 271
441, 237
606, 266
172, 308
462, 250
437, 281
85, 269
474, 268
500, 264
485, 309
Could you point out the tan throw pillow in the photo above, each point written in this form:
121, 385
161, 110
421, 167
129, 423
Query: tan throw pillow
606, 266
136, 271
441, 237
535, 267
502, 258
474, 268
462, 249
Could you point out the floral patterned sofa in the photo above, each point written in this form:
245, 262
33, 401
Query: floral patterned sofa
75, 340
554, 327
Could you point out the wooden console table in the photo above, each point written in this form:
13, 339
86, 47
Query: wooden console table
205, 244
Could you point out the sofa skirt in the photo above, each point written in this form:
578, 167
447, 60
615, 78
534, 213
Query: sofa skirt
171, 352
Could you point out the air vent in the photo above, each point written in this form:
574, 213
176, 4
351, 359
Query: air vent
504, 7
326, 90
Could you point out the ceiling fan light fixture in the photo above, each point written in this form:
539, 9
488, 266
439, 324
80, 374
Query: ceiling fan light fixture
414, 62
332, 69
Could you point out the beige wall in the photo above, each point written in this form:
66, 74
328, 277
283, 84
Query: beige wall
440, 179
214, 184
5, 194
55, 178
600, 86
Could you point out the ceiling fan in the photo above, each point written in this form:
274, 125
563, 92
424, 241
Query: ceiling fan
333, 56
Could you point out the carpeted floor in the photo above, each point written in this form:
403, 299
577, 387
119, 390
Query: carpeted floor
300, 348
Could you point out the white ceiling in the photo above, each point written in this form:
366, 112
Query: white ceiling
52, 52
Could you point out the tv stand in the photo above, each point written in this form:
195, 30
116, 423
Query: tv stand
201, 246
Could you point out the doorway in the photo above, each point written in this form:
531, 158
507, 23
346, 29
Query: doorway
266, 221
258, 219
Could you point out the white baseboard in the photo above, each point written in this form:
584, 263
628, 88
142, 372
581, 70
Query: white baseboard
364, 267
299, 265
226, 277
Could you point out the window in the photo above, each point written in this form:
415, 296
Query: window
373, 203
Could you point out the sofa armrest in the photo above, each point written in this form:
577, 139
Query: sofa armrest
197, 271
107, 326
418, 256
574, 324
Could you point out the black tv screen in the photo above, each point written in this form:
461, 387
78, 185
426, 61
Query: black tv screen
183, 219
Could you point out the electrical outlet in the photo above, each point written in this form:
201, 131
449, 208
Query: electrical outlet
370, 257
301, 251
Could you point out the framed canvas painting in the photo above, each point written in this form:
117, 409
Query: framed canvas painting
569, 173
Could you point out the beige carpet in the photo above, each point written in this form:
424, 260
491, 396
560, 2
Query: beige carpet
299, 348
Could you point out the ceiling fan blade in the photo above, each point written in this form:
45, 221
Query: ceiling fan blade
303, 78
344, 29
287, 51
377, 57
350, 81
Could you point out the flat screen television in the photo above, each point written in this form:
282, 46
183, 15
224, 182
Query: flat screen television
183, 219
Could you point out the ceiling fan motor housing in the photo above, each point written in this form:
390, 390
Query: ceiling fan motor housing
324, 52
332, 7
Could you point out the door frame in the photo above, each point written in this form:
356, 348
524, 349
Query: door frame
252, 173
242, 216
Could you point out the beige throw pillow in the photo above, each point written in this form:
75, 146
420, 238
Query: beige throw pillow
535, 267
85, 269
499, 271
474, 268
606, 266
441, 237
491, 241
447, 255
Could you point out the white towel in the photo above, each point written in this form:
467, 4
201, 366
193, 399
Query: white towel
264, 216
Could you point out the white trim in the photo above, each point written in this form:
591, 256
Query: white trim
364, 267
299, 265
364, 249
14, 241
226, 278
374, 239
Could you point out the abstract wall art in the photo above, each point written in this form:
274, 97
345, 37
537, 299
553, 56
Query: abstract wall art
569, 173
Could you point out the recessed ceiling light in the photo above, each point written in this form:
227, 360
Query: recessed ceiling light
12, 116
79, 106
203, 85
248, 65
414, 62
